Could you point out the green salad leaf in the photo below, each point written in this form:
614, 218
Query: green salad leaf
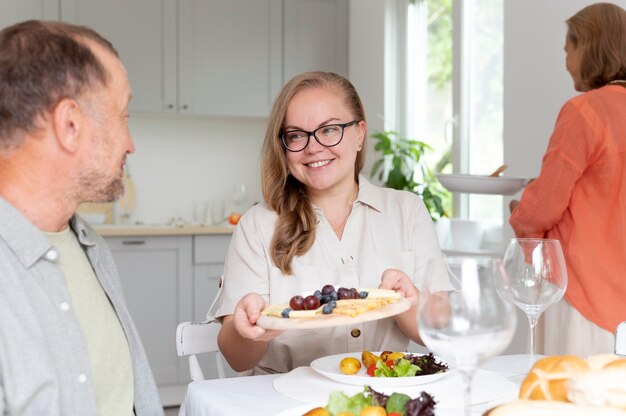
340, 402
401, 368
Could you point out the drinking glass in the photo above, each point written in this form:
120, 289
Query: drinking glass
537, 276
470, 323
239, 196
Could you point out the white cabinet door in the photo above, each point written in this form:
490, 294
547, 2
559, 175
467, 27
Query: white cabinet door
14, 11
230, 56
316, 36
144, 34
156, 274
209, 253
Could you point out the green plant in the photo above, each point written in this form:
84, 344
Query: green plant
402, 167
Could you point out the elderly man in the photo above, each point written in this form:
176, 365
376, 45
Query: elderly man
68, 345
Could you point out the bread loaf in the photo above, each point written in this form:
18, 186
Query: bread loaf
547, 380
604, 387
550, 408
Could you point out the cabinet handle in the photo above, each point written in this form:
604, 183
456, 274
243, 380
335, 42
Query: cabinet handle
134, 242
170, 106
185, 107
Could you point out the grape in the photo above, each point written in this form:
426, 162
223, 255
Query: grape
296, 303
325, 299
363, 294
327, 309
285, 313
334, 295
344, 293
311, 302
328, 289
354, 293
318, 294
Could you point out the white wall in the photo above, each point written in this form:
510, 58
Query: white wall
179, 160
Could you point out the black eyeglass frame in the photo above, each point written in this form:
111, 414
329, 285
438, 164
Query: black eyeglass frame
312, 133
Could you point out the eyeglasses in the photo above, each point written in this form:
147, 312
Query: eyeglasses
328, 136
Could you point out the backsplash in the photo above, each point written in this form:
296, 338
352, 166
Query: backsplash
179, 160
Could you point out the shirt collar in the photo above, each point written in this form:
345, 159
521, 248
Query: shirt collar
369, 194
27, 242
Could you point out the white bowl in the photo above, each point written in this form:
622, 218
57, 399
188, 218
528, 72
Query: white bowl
480, 184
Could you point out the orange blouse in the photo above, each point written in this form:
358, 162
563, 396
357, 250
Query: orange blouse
579, 198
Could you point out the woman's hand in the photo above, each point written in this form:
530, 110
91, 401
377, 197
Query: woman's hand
512, 205
407, 321
397, 280
247, 312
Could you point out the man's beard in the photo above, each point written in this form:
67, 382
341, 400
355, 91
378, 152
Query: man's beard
94, 190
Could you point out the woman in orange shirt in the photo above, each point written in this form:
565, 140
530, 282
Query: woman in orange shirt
579, 197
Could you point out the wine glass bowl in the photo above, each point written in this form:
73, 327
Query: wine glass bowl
537, 276
470, 320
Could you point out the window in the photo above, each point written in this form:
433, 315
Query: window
450, 70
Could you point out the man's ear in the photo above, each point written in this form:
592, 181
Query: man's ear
67, 120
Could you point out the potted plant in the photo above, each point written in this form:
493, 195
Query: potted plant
402, 167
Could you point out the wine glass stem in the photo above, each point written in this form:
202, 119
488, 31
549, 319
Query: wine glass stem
467, 390
532, 320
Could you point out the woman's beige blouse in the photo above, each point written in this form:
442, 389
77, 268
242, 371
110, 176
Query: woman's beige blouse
386, 229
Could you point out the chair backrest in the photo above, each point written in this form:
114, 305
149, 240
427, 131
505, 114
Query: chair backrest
620, 339
196, 338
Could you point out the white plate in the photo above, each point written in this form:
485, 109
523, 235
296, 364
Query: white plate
480, 184
307, 385
333, 319
329, 367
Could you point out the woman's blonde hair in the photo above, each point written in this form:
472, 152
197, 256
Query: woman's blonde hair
598, 32
295, 228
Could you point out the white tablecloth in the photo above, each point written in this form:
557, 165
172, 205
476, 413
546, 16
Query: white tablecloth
256, 395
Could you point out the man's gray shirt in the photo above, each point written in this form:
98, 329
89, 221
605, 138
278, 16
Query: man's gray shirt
44, 367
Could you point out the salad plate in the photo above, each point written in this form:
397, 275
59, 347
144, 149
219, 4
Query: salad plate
307, 385
480, 184
329, 367
333, 319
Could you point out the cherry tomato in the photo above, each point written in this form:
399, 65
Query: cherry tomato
394, 414
370, 370
389, 364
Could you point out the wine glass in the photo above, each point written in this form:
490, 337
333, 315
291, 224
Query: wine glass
470, 323
537, 276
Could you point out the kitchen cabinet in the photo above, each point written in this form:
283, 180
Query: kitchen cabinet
209, 252
12, 11
144, 34
207, 57
230, 56
216, 57
168, 279
156, 274
316, 36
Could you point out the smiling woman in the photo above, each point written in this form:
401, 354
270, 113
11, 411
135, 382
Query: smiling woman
321, 224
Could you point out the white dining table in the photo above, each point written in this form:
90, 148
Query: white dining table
497, 381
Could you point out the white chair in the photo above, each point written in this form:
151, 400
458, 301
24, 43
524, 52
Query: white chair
196, 338
620, 339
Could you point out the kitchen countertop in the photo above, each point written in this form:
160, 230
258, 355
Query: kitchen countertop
130, 230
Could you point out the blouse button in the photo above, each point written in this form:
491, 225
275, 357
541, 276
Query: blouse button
82, 378
355, 333
65, 306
